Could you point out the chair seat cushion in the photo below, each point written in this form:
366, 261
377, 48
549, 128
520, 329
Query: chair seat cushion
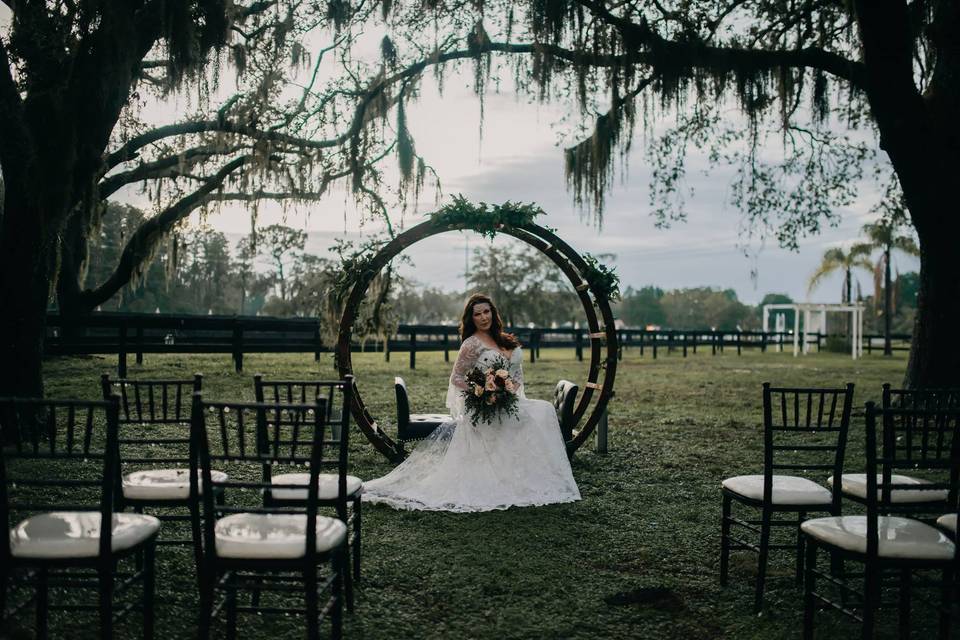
786, 489
327, 486
899, 537
855, 485
162, 484
273, 535
430, 418
76, 534
948, 522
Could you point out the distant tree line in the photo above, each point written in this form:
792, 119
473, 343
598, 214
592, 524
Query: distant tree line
270, 273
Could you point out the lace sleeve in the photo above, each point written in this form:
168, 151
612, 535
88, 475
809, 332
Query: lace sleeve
516, 371
466, 359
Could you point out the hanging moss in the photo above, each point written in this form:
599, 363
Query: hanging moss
406, 152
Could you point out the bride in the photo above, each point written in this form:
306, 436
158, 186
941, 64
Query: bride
516, 461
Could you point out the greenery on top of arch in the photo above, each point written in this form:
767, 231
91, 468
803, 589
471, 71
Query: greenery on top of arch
602, 279
485, 219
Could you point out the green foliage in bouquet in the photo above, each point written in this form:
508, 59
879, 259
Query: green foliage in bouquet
490, 392
486, 219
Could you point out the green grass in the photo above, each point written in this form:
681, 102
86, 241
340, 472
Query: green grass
638, 556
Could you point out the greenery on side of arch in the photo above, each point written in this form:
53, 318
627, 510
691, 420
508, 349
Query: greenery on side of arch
602, 279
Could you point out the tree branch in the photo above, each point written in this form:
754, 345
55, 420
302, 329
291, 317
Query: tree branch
659, 52
150, 232
158, 168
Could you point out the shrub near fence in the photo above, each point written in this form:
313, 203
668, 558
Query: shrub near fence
132, 333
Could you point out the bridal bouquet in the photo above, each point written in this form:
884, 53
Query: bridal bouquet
490, 391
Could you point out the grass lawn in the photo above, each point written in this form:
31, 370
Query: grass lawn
637, 557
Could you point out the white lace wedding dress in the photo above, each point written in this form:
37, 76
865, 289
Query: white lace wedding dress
514, 462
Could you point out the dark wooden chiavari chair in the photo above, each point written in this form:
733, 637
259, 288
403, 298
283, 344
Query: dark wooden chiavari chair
59, 478
277, 546
804, 439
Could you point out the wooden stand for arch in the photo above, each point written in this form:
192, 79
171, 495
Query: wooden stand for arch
603, 334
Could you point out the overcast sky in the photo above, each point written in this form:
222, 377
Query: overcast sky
517, 160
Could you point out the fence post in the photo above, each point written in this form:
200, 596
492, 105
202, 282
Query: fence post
713, 343
738, 342
579, 343
642, 333
413, 349
139, 345
318, 344
237, 346
446, 346
694, 343
619, 345
683, 342
601, 433
655, 340
386, 348
763, 342
122, 355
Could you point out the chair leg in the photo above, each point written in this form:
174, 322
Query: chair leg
725, 541
231, 607
310, 595
762, 562
809, 585
871, 597
800, 544
903, 608
357, 538
207, 581
336, 615
42, 605
946, 603
149, 587
347, 576
106, 602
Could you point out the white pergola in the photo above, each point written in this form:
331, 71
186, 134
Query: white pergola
815, 320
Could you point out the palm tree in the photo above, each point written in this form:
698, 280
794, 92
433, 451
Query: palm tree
883, 236
837, 259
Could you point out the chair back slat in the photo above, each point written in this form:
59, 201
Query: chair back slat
805, 432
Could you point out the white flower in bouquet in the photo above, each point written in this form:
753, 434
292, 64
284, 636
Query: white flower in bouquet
477, 390
491, 383
502, 373
509, 386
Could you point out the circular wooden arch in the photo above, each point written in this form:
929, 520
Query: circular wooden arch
603, 337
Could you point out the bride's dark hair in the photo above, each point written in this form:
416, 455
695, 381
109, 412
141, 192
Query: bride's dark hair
503, 339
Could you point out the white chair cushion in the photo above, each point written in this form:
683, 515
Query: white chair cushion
786, 489
273, 535
898, 537
948, 522
162, 484
327, 486
855, 484
76, 534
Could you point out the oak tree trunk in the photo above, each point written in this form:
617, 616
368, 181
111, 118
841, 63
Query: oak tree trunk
935, 348
26, 269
